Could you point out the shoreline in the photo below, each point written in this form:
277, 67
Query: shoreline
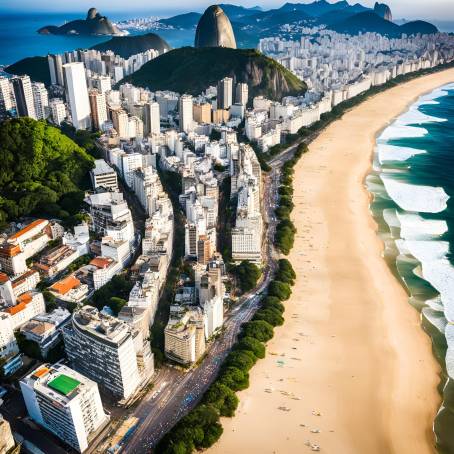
352, 348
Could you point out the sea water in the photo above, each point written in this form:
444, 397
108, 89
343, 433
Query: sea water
412, 183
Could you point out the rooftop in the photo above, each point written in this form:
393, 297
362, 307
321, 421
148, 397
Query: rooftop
26, 229
63, 384
101, 167
65, 285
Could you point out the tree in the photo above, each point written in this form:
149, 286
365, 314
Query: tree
40, 166
258, 329
234, 378
116, 304
274, 303
247, 275
223, 398
280, 290
285, 272
240, 359
253, 345
272, 316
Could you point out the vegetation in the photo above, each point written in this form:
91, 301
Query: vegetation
125, 46
114, 294
84, 138
246, 274
42, 171
190, 70
35, 67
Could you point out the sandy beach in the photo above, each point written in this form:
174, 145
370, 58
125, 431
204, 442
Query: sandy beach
351, 369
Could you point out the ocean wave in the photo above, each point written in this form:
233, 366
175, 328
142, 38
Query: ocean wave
399, 131
412, 197
415, 227
394, 153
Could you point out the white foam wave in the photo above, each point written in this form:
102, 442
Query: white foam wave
398, 131
394, 153
449, 334
415, 227
411, 197
415, 116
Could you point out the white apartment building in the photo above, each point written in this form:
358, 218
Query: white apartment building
153, 118
186, 115
213, 315
98, 109
23, 93
58, 110
8, 344
40, 99
104, 348
104, 176
77, 94
28, 305
64, 402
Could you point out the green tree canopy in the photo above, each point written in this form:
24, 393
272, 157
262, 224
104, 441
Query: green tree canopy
258, 329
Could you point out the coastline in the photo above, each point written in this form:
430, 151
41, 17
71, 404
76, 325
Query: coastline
352, 347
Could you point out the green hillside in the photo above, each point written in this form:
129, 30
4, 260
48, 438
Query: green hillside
42, 171
36, 67
190, 70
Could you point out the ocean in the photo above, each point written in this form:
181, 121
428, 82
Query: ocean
19, 37
412, 183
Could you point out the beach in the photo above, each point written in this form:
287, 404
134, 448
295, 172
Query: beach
351, 370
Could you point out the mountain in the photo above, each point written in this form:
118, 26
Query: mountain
383, 11
94, 24
184, 21
371, 22
214, 29
238, 13
191, 70
418, 26
125, 46
318, 8
36, 67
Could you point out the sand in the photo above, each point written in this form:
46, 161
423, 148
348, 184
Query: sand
352, 348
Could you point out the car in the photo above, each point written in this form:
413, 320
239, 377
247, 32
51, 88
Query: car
3, 391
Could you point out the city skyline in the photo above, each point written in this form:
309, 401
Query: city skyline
439, 9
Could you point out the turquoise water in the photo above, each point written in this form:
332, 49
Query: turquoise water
19, 39
413, 188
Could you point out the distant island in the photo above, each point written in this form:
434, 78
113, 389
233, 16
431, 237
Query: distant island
94, 24
191, 70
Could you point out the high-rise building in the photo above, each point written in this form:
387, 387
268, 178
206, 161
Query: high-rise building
104, 176
103, 348
241, 93
152, 121
225, 93
101, 83
64, 402
202, 112
185, 111
77, 94
184, 337
24, 96
40, 99
98, 108
8, 344
120, 122
56, 69
6, 96
57, 110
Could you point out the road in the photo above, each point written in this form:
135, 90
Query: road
175, 393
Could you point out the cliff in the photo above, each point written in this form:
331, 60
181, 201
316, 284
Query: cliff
190, 70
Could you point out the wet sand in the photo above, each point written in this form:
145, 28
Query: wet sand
351, 370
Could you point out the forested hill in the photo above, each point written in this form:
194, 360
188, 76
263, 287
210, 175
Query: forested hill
42, 171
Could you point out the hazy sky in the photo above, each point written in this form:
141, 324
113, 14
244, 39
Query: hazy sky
424, 9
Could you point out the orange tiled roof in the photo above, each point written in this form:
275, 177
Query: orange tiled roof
3, 278
13, 310
10, 250
100, 262
25, 298
65, 285
27, 229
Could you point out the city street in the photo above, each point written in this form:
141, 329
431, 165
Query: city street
175, 393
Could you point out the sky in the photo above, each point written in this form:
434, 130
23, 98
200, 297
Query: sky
411, 9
